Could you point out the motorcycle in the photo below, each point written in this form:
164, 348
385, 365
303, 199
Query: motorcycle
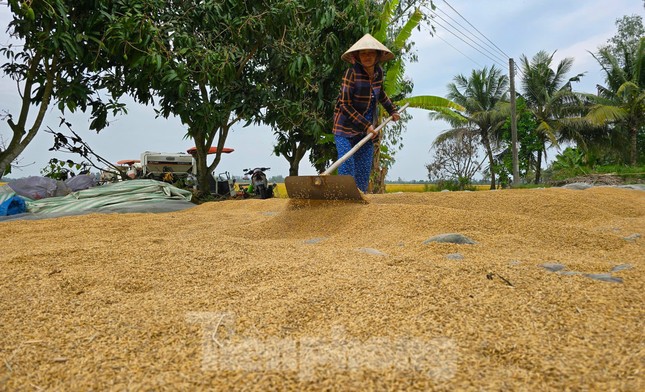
259, 185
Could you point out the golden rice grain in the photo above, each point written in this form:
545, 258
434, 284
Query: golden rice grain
259, 295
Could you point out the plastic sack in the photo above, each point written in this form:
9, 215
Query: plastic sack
12, 206
36, 188
80, 182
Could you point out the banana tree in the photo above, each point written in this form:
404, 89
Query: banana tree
396, 87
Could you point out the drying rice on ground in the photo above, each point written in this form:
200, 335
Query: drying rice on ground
268, 294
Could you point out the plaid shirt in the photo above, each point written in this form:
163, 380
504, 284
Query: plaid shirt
354, 100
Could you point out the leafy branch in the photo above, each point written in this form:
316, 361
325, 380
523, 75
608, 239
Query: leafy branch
74, 144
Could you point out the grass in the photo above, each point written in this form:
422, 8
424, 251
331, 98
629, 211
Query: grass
620, 170
628, 173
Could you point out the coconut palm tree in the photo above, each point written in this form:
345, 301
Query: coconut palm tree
482, 96
549, 97
621, 104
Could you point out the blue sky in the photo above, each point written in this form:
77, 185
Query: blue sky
571, 28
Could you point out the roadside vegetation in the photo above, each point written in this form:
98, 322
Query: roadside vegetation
601, 133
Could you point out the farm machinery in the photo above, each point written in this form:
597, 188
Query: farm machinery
180, 169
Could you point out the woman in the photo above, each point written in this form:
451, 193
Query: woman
354, 115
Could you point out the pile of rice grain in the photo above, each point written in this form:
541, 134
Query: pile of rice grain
270, 294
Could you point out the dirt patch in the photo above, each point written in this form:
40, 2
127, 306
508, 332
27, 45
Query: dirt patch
264, 295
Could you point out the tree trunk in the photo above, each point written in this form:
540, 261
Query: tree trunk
202, 172
538, 165
202, 146
298, 154
293, 167
378, 173
491, 159
633, 141
379, 180
21, 138
6, 157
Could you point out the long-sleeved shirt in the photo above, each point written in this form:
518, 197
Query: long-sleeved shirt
354, 100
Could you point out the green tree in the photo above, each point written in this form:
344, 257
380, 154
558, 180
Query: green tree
620, 105
570, 159
624, 44
482, 95
398, 20
207, 62
304, 81
528, 142
58, 62
550, 98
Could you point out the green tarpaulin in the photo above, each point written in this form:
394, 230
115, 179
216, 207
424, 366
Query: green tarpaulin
126, 196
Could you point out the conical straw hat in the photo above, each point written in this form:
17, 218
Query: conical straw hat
366, 43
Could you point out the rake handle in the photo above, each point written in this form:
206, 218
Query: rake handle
358, 145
